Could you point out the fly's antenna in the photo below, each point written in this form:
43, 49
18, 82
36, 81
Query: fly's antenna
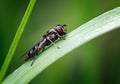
64, 25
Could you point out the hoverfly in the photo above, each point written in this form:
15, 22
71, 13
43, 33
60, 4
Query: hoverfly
49, 38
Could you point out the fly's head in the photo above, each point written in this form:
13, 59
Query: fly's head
60, 29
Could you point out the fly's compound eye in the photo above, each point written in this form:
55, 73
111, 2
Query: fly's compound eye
64, 30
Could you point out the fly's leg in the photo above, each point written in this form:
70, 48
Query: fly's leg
53, 43
35, 57
61, 37
43, 49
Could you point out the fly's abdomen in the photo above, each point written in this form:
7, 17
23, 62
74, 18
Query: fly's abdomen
32, 52
35, 50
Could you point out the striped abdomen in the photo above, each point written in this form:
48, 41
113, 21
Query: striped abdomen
35, 50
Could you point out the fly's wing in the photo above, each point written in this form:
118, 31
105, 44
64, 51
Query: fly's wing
24, 54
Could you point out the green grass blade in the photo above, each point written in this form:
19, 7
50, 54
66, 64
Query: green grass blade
94, 28
16, 39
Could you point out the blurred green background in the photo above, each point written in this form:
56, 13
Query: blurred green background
96, 62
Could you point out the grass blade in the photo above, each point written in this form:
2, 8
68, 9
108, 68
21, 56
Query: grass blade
16, 39
94, 28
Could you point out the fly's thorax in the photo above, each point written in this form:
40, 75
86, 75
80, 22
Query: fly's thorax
51, 30
53, 36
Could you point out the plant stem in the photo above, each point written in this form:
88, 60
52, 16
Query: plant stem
16, 39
